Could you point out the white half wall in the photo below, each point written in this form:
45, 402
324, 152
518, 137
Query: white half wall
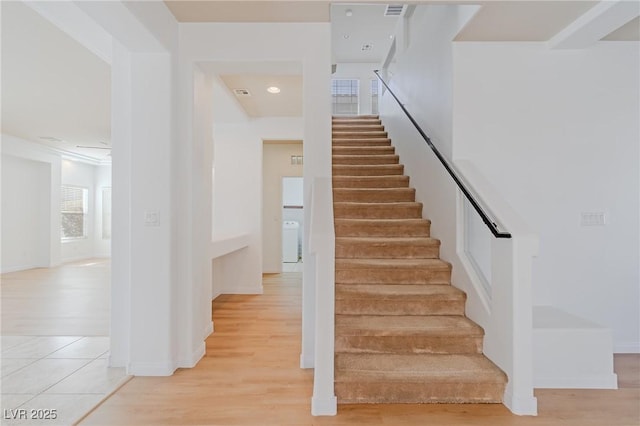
557, 131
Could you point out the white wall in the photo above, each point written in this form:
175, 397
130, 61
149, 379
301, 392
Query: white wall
25, 213
81, 175
557, 131
21, 159
277, 164
238, 198
422, 79
102, 244
362, 72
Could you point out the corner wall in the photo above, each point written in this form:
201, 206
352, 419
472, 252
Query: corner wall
557, 131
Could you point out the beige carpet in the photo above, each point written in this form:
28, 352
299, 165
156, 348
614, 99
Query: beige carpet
401, 332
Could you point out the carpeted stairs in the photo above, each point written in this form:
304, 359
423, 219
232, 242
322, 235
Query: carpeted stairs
401, 333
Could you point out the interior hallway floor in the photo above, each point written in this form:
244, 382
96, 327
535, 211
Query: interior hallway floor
251, 376
55, 344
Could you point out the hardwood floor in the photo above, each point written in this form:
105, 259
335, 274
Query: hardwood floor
251, 376
68, 300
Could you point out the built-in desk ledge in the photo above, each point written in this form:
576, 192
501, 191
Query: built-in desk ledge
224, 245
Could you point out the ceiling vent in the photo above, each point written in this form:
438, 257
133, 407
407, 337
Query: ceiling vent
394, 10
241, 93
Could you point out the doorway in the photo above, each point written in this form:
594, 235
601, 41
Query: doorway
282, 201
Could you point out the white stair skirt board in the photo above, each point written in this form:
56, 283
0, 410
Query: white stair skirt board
324, 406
570, 352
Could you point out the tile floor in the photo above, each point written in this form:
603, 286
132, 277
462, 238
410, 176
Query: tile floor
68, 374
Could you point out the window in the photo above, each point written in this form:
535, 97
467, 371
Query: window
74, 202
374, 97
344, 95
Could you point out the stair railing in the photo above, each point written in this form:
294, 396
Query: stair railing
491, 224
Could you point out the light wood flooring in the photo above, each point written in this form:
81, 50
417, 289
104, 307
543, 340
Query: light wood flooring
251, 376
68, 300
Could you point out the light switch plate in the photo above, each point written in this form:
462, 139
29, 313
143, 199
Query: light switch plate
151, 218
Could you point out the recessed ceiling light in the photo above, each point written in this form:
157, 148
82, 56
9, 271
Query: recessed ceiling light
348, 12
346, 36
273, 89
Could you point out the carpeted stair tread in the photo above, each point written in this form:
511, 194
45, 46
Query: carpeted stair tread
373, 182
373, 264
357, 127
386, 325
419, 368
387, 247
353, 142
399, 299
366, 159
363, 291
374, 195
359, 135
395, 210
382, 227
368, 170
363, 150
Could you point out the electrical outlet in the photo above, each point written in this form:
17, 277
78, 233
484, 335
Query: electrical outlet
592, 219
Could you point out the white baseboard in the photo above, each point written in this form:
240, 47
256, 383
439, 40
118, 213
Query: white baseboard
196, 356
327, 406
527, 406
208, 330
626, 348
593, 381
306, 361
17, 268
151, 369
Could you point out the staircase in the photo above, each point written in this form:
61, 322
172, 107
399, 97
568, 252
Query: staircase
401, 335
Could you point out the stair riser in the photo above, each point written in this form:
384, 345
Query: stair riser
361, 142
347, 250
357, 122
392, 276
371, 182
374, 195
358, 135
365, 159
379, 211
416, 393
340, 118
359, 127
407, 344
399, 306
393, 170
372, 229
363, 150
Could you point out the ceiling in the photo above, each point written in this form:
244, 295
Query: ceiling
367, 25
522, 20
52, 86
